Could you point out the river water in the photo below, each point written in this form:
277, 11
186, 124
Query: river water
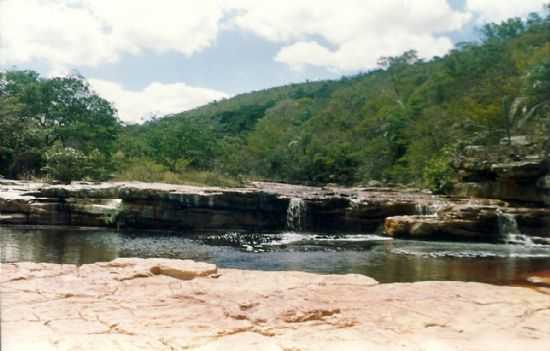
381, 258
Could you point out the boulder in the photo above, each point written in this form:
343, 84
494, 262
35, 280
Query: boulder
130, 268
461, 222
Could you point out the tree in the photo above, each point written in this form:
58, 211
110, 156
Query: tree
20, 148
503, 31
537, 100
538, 83
66, 107
511, 112
61, 110
395, 65
76, 116
182, 145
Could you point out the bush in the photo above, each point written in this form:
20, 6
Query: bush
438, 175
66, 164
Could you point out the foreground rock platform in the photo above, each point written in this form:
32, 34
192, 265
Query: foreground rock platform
157, 304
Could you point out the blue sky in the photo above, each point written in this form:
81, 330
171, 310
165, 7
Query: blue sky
165, 56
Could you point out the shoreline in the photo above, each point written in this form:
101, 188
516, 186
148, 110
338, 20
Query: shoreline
264, 207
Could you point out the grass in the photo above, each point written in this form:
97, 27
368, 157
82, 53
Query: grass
151, 172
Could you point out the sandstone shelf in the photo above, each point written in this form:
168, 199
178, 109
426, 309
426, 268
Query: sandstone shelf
157, 304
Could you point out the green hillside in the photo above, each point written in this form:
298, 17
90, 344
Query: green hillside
402, 123
399, 124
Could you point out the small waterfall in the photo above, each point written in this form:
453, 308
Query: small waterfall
509, 230
295, 214
423, 210
428, 209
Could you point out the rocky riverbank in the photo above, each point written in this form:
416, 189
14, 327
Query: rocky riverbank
515, 175
516, 171
156, 304
259, 207
398, 212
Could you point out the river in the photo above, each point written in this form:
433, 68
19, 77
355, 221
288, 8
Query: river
381, 258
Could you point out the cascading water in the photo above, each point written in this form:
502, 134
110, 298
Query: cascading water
295, 214
509, 230
428, 209
423, 210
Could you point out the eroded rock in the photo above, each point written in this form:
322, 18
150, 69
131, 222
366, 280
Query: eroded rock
265, 207
63, 307
513, 172
259, 207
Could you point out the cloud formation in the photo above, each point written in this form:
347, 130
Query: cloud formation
156, 99
349, 35
68, 33
342, 36
499, 10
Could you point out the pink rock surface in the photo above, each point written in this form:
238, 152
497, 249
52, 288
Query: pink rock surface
158, 304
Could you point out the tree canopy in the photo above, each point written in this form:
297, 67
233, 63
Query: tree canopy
38, 113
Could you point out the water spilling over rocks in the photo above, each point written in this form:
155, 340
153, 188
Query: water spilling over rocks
269, 207
509, 230
295, 215
259, 207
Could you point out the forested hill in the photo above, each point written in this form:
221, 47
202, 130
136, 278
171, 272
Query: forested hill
398, 124
402, 123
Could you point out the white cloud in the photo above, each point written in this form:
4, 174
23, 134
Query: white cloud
342, 35
360, 54
185, 26
53, 31
68, 33
499, 10
350, 35
156, 99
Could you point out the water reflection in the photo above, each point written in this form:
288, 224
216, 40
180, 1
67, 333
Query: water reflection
386, 261
58, 245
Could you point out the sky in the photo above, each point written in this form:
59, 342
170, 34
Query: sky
157, 57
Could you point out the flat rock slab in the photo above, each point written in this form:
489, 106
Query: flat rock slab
158, 304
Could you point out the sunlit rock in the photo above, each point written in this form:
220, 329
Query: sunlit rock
89, 307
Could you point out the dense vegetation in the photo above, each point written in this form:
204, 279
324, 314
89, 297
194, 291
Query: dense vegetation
401, 123
55, 126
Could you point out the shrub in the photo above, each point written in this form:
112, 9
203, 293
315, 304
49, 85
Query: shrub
66, 164
438, 174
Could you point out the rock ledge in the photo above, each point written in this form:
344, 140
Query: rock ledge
158, 304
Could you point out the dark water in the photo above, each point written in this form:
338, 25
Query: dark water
383, 259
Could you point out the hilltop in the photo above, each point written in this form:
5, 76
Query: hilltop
401, 123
